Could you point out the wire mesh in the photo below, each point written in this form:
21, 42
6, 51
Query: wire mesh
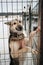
9, 10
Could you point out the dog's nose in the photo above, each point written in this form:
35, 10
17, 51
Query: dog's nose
19, 28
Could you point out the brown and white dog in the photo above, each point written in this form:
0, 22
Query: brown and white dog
18, 44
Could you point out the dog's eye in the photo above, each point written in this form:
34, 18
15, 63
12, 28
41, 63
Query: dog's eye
14, 23
19, 21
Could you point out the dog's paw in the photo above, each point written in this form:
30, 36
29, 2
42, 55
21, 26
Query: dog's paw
35, 51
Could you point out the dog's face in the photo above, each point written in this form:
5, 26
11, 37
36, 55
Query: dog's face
15, 26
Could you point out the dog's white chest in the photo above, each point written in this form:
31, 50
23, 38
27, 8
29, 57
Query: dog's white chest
16, 45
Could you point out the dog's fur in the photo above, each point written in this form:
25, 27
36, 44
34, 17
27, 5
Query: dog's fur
17, 42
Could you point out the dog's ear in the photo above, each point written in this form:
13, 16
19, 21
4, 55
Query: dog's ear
8, 23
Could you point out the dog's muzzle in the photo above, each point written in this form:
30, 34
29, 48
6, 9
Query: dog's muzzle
19, 28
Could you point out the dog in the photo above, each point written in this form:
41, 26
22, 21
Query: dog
17, 42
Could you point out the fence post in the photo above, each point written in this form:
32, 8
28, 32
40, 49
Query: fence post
30, 19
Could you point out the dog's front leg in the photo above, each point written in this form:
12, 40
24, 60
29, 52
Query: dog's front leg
27, 49
32, 35
21, 51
